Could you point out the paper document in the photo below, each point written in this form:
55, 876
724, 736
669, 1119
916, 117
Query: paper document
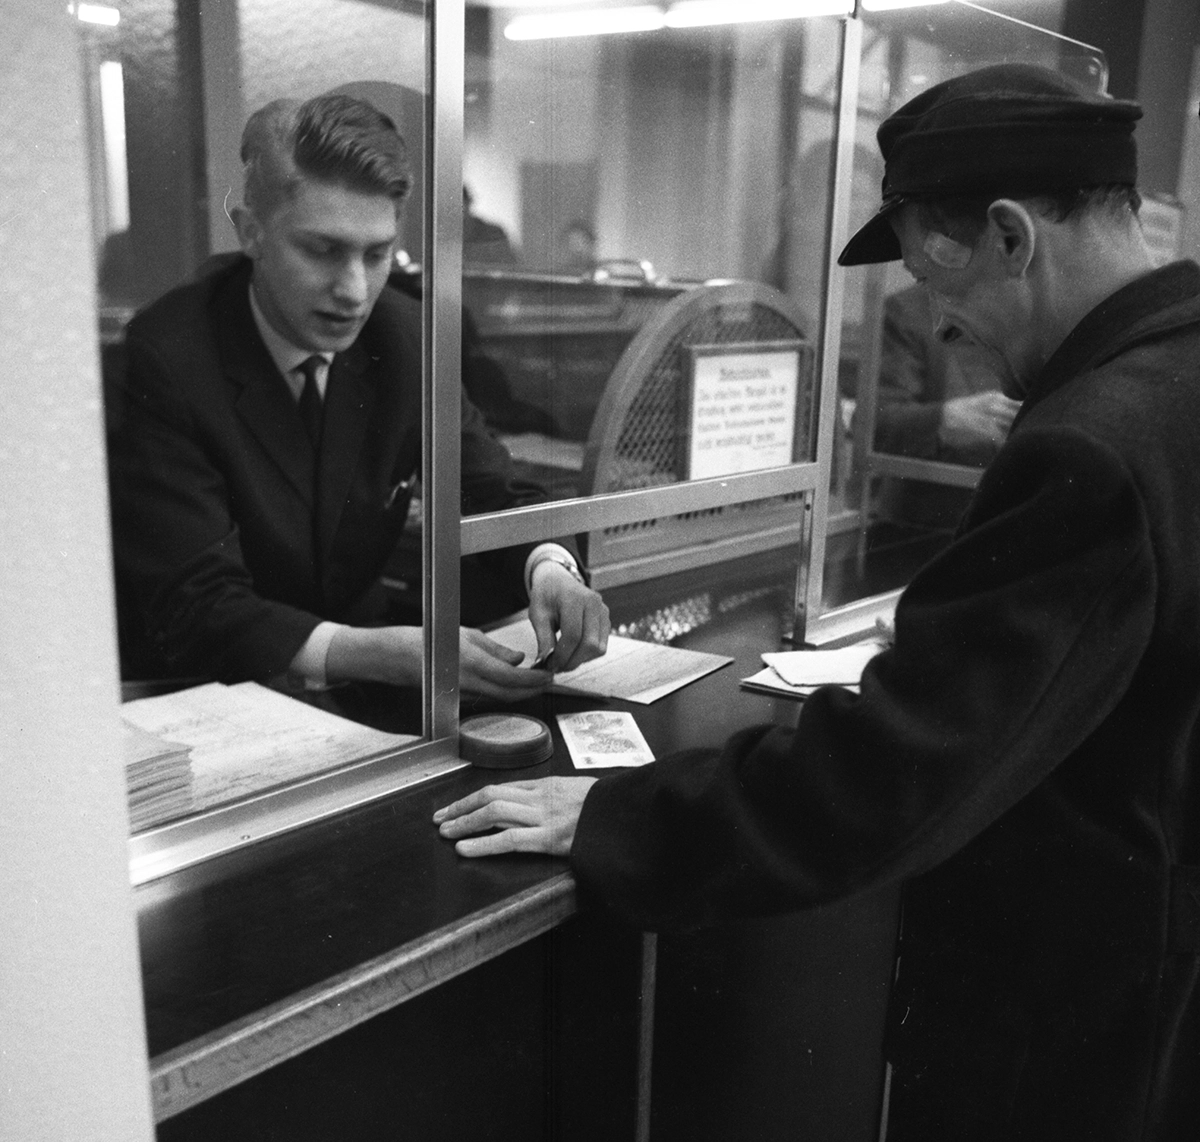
631, 670
246, 737
800, 672
599, 739
767, 681
158, 777
843, 666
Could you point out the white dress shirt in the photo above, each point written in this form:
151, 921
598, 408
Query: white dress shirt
309, 662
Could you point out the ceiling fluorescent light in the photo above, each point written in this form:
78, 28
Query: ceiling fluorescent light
702, 13
889, 5
98, 14
589, 22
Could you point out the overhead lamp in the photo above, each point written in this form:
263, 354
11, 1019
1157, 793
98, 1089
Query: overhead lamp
703, 13
586, 22
96, 14
890, 5
116, 156
683, 14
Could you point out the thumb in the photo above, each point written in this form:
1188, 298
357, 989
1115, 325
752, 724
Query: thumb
543, 628
490, 646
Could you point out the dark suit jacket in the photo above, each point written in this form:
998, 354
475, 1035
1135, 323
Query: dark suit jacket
228, 550
1026, 758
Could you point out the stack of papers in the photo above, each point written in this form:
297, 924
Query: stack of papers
800, 672
158, 776
631, 670
246, 737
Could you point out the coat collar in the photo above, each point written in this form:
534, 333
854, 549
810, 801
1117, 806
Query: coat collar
1156, 303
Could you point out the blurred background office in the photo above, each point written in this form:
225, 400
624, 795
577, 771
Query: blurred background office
685, 154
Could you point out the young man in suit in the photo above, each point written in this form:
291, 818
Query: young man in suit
268, 433
1025, 758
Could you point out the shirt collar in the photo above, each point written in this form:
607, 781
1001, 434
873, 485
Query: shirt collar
287, 357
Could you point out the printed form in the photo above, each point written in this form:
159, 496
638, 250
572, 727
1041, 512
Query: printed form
632, 670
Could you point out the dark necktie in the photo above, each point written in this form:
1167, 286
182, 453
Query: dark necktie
311, 407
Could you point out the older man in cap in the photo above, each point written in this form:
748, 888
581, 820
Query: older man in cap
1026, 758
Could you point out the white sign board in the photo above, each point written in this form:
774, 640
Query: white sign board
742, 416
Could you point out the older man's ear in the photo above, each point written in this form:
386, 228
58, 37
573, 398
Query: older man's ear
1015, 234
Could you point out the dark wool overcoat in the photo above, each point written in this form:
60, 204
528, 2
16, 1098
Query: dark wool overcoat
1025, 759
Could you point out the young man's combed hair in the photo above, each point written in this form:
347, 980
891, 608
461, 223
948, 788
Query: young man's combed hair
332, 138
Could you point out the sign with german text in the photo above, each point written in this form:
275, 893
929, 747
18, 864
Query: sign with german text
742, 408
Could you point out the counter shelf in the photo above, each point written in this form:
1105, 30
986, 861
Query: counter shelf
258, 956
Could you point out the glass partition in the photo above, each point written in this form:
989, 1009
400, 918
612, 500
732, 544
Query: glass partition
579, 150
168, 91
920, 418
617, 250
632, 179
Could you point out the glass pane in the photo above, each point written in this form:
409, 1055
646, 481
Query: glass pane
629, 320
234, 531
919, 418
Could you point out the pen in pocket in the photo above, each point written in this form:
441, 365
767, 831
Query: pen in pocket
403, 486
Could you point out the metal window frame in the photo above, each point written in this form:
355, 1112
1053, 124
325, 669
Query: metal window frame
489, 531
447, 536
442, 361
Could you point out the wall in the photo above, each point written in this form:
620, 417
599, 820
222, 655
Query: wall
277, 49
541, 108
300, 50
1189, 169
1169, 90
72, 1045
668, 118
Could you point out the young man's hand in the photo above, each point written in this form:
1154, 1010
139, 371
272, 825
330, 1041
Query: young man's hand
395, 654
568, 617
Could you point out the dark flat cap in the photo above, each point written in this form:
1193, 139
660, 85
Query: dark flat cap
1009, 129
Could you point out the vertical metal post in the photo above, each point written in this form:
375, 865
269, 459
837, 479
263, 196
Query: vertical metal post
829, 353
442, 364
867, 407
224, 113
646, 1034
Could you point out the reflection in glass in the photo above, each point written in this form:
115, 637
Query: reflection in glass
211, 463
640, 181
116, 169
636, 206
921, 416
937, 400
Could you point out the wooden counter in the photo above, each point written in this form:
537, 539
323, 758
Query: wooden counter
365, 936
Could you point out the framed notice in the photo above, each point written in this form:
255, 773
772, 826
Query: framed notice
740, 411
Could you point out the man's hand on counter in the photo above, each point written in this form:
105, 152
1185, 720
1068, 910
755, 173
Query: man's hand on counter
532, 816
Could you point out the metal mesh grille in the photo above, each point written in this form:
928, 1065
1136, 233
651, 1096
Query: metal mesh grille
650, 446
677, 619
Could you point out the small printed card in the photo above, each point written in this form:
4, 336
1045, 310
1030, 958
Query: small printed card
602, 738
